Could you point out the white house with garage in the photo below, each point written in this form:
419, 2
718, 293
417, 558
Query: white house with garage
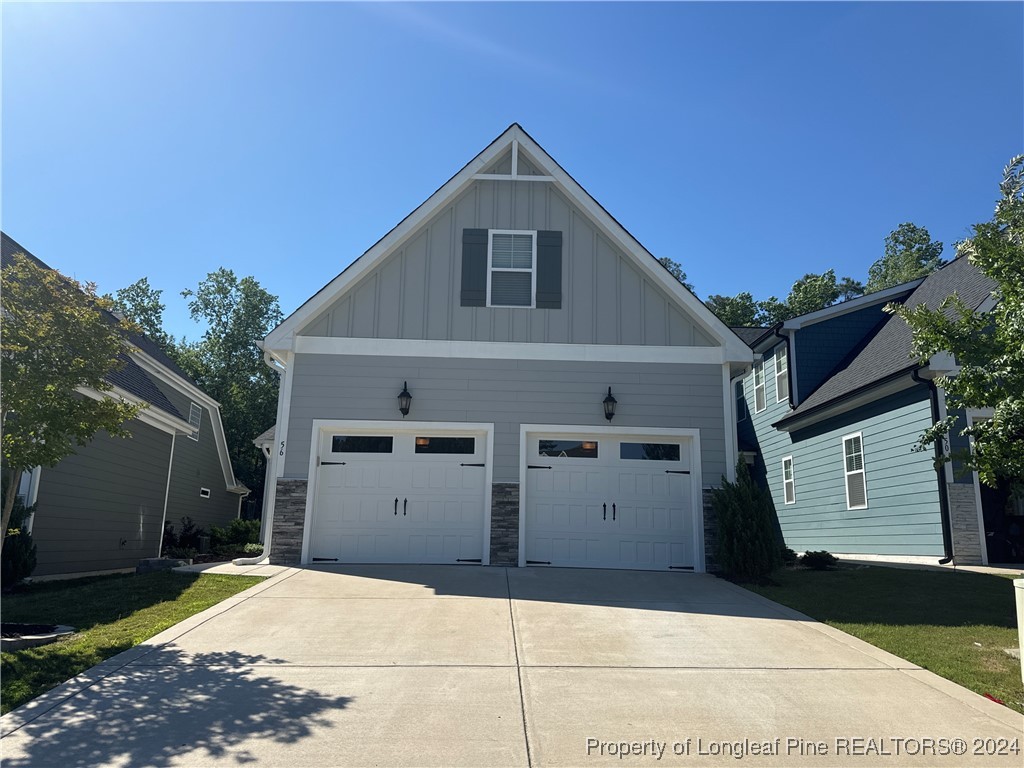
508, 377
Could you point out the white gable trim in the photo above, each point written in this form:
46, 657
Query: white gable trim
515, 136
150, 414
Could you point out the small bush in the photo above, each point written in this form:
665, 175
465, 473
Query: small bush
190, 532
181, 553
170, 539
818, 561
19, 554
253, 549
238, 533
747, 547
789, 557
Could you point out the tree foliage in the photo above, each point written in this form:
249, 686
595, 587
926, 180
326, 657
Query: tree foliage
56, 339
747, 547
140, 303
808, 294
676, 270
227, 363
988, 347
910, 253
736, 311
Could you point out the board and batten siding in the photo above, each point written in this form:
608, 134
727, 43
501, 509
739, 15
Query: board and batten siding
903, 512
506, 393
415, 292
197, 465
101, 508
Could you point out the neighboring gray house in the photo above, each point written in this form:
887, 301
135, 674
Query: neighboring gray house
103, 508
831, 414
513, 310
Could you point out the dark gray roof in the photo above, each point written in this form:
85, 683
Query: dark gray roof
130, 377
888, 352
748, 335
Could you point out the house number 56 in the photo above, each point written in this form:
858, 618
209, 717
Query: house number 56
281, 452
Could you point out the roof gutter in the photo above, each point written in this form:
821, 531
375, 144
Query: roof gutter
947, 536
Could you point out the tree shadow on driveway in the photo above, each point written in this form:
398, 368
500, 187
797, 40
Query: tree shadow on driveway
175, 709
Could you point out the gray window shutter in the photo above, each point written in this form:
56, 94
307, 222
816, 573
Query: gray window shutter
474, 267
549, 270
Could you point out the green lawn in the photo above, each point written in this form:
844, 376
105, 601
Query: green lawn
954, 624
112, 614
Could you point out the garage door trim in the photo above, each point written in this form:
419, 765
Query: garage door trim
355, 426
692, 437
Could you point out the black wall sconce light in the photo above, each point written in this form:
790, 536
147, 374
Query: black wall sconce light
404, 399
609, 405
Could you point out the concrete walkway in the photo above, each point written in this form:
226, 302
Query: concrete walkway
471, 666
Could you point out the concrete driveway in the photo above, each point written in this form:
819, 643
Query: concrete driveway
471, 666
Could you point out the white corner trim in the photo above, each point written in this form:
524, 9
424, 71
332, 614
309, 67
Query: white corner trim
977, 496
947, 467
701, 315
731, 427
500, 350
284, 408
851, 305
482, 429
696, 477
794, 384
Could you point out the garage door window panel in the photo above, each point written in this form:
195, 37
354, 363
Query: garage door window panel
649, 451
460, 446
362, 444
568, 449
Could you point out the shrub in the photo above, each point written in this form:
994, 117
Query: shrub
237, 534
170, 539
190, 533
253, 549
789, 557
747, 548
181, 553
19, 554
818, 561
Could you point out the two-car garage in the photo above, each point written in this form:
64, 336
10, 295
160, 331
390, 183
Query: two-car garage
598, 497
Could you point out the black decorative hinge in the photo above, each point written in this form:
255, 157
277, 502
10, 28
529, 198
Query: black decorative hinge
325, 559
469, 560
680, 567
677, 471
328, 463
536, 466
539, 562
472, 465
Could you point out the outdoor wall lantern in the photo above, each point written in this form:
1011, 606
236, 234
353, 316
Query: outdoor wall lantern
609, 405
404, 399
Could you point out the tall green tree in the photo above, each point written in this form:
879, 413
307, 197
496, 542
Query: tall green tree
736, 311
811, 293
227, 363
676, 270
140, 303
987, 346
910, 253
55, 340
850, 288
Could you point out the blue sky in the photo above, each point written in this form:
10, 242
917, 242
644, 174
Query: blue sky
750, 142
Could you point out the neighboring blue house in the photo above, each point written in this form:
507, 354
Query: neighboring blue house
830, 416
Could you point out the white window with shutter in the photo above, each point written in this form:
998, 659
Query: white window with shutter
781, 374
195, 418
788, 481
853, 466
760, 403
511, 272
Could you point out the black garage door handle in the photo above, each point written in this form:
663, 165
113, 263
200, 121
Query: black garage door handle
396, 506
405, 506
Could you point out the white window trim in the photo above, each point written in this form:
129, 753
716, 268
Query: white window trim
759, 366
783, 372
532, 270
195, 408
204, 493
791, 481
862, 471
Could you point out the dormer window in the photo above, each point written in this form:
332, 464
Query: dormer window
511, 277
195, 418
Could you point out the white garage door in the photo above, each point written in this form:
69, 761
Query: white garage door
399, 497
610, 501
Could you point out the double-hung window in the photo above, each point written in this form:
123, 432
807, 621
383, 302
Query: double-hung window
741, 402
788, 481
856, 483
781, 373
760, 403
511, 268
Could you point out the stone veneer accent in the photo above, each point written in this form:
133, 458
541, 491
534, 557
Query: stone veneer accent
289, 520
505, 524
710, 531
963, 518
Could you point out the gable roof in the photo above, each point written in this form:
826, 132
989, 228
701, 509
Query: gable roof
749, 334
887, 353
280, 338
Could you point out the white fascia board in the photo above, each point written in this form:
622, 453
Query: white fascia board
500, 350
735, 349
308, 312
149, 365
149, 414
852, 305
868, 396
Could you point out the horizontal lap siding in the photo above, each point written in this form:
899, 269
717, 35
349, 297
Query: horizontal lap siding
414, 293
197, 465
903, 514
101, 508
507, 393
